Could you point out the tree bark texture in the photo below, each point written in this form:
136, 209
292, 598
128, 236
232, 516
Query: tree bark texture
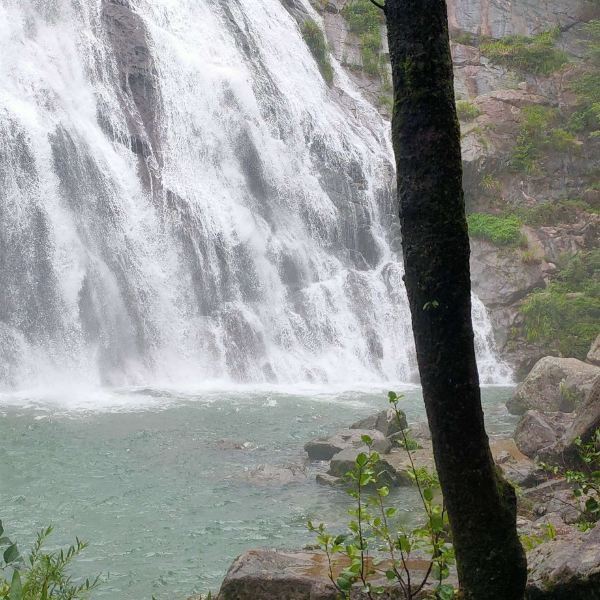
481, 504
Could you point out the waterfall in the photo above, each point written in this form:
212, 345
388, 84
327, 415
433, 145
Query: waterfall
183, 198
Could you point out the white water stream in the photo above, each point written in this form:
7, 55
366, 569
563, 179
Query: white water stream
251, 239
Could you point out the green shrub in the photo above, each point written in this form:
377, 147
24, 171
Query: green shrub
535, 54
565, 317
42, 575
375, 535
467, 111
315, 40
499, 230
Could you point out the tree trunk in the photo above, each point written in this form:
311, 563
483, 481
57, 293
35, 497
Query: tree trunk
481, 504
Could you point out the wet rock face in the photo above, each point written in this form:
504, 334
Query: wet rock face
498, 19
136, 73
554, 384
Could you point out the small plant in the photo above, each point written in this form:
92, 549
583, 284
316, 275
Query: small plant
315, 40
529, 257
490, 184
499, 230
531, 541
530, 54
467, 111
42, 575
376, 543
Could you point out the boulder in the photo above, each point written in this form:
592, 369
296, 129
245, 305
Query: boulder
515, 466
393, 468
567, 568
584, 426
384, 421
554, 384
304, 575
593, 355
537, 430
326, 447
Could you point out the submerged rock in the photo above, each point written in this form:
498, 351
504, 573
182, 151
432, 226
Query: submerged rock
554, 384
326, 447
384, 421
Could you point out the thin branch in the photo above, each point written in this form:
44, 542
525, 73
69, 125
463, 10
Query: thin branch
381, 6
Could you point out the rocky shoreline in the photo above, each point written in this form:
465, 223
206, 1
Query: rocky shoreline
559, 403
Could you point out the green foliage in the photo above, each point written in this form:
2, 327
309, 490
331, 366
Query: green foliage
585, 481
554, 213
531, 541
535, 54
464, 37
376, 539
364, 20
315, 40
537, 136
587, 87
499, 230
467, 111
565, 317
42, 575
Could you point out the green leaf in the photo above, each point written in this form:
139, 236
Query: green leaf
11, 554
445, 592
428, 494
383, 491
16, 590
362, 459
367, 439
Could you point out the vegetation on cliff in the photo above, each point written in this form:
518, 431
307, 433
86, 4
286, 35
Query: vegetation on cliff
565, 317
317, 44
531, 54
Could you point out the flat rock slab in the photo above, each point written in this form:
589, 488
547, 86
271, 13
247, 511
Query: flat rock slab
326, 448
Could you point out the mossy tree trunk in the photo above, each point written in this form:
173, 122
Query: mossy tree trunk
481, 505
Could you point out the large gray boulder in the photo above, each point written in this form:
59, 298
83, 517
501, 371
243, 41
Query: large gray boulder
554, 384
566, 568
536, 431
326, 447
583, 427
593, 355
384, 421
279, 575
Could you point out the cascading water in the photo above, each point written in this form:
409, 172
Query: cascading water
183, 198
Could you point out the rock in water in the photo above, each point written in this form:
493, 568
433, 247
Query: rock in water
326, 448
554, 384
384, 421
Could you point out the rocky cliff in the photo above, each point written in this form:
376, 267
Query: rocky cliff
524, 75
